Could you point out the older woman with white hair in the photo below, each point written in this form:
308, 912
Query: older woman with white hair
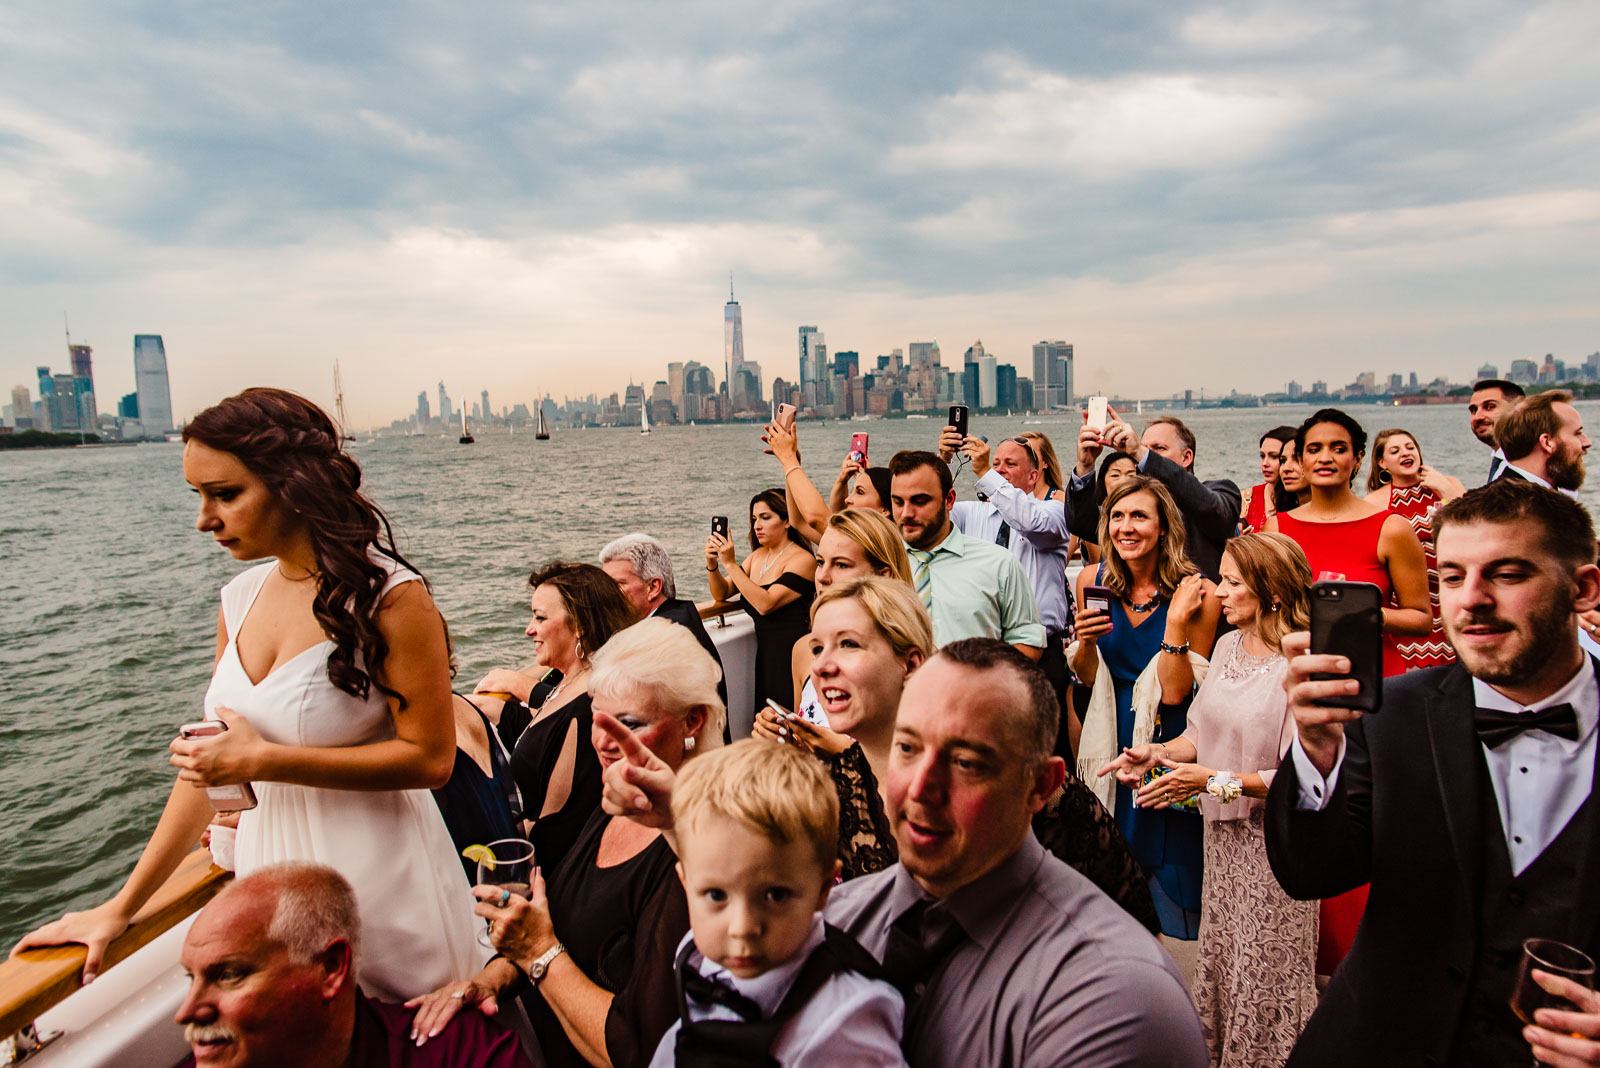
597, 937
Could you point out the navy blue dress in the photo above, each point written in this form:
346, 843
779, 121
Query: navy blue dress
477, 808
1166, 842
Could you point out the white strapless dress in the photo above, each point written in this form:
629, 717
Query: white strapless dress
418, 931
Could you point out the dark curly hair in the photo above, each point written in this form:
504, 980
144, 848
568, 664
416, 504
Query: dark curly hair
294, 448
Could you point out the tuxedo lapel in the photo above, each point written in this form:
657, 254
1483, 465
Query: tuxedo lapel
1584, 917
1456, 760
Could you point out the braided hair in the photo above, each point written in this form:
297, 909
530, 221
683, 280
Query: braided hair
295, 449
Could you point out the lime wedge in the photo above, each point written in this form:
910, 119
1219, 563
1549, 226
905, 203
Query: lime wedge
480, 854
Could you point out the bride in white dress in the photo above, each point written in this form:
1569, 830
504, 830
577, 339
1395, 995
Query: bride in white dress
332, 676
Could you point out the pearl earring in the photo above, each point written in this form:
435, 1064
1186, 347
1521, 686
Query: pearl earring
688, 743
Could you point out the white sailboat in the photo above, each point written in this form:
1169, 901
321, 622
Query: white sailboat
644, 417
466, 438
338, 407
543, 433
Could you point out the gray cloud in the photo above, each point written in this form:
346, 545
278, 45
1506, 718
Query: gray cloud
422, 175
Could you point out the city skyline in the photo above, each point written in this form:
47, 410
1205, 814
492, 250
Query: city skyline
1224, 194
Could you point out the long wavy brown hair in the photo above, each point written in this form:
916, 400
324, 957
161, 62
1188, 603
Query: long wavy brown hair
294, 448
1172, 561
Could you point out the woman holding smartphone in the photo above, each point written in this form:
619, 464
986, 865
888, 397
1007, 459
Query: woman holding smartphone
1140, 657
774, 584
332, 676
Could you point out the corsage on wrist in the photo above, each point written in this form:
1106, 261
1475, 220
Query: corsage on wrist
1225, 786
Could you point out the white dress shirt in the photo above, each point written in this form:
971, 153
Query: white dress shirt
850, 1020
1039, 540
1540, 781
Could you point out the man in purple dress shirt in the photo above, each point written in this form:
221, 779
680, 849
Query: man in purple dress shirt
272, 981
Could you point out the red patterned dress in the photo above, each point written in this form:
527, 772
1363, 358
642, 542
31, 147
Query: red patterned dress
1416, 504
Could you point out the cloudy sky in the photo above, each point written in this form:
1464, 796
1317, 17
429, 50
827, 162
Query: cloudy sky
529, 197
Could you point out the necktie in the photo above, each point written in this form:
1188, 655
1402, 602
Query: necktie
1495, 464
909, 958
710, 992
923, 579
1003, 539
1496, 728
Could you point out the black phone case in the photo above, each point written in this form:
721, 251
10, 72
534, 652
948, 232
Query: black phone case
1350, 624
719, 525
958, 418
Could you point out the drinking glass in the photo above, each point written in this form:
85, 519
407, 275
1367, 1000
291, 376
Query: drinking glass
1556, 958
511, 869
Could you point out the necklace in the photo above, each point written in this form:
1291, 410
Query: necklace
1147, 605
771, 559
556, 690
304, 578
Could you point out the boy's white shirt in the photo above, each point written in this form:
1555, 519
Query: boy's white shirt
850, 1020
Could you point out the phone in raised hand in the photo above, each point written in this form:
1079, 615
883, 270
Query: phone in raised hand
1097, 413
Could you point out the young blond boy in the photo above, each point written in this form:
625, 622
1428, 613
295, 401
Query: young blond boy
761, 979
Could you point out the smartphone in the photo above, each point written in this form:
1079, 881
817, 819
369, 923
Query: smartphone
719, 525
1347, 620
1097, 599
785, 416
223, 798
958, 418
1097, 413
858, 449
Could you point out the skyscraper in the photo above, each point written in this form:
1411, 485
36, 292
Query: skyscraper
47, 400
988, 386
733, 349
151, 383
21, 408
83, 385
444, 403
1052, 375
675, 388
423, 415
808, 377
486, 408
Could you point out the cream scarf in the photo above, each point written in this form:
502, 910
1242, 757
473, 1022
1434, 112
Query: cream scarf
1097, 745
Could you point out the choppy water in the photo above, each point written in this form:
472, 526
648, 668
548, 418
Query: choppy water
108, 596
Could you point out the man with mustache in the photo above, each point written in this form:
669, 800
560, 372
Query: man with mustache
272, 963
1489, 401
1466, 801
1543, 440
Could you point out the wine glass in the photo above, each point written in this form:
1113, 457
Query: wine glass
1556, 958
510, 869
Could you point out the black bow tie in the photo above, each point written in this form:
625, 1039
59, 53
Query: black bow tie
710, 992
1496, 728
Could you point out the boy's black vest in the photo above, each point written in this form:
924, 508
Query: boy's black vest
748, 1044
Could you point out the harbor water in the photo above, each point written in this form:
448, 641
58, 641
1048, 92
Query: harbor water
108, 596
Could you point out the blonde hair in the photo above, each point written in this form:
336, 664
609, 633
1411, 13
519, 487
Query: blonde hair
1049, 463
1172, 561
660, 661
776, 791
878, 537
893, 605
1275, 571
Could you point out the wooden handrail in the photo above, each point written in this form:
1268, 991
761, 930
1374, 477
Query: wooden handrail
37, 979
717, 609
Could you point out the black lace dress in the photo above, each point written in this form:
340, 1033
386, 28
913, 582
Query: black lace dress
1074, 826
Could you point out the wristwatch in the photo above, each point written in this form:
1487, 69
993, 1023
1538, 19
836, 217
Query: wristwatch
537, 970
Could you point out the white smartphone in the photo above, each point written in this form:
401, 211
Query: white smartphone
1097, 413
223, 798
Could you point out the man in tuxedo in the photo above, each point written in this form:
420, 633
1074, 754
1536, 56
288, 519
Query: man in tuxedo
1490, 399
1165, 452
643, 572
1465, 801
1543, 441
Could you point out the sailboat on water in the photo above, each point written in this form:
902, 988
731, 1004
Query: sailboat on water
338, 407
543, 433
644, 417
466, 438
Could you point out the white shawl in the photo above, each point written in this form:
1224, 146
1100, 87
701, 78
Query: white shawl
1097, 746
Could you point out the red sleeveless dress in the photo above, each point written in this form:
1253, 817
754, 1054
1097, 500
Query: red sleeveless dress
1350, 549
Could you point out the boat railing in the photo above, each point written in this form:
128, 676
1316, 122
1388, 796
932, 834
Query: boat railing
38, 979
718, 610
